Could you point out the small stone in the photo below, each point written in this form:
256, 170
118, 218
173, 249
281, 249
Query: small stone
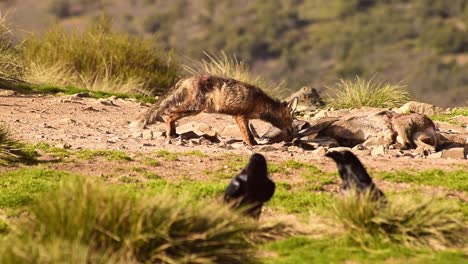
90, 108
147, 134
180, 142
339, 149
237, 145
454, 153
113, 140
66, 121
378, 151
359, 147
137, 135
267, 148
106, 102
436, 155
231, 131
63, 146
320, 151
7, 92
420, 108
295, 149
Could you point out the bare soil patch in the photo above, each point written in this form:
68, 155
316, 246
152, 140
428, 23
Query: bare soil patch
87, 123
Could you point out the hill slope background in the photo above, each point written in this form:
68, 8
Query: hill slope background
421, 43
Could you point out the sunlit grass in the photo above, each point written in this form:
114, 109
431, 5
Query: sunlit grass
227, 66
360, 92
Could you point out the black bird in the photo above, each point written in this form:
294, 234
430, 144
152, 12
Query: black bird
251, 188
354, 175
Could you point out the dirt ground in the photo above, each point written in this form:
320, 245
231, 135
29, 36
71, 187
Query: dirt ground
87, 123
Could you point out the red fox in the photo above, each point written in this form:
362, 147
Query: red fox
212, 94
415, 130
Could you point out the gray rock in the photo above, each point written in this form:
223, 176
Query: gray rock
462, 120
378, 151
267, 148
231, 131
237, 145
65, 121
454, 153
320, 151
436, 155
147, 134
7, 92
420, 108
63, 146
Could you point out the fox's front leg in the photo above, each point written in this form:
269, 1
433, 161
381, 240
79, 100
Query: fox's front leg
243, 124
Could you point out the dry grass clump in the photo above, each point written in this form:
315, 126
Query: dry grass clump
10, 149
359, 92
11, 62
99, 59
227, 66
404, 220
86, 222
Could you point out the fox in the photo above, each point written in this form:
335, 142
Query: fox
415, 131
213, 94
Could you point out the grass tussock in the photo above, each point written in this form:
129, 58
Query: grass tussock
12, 150
405, 220
227, 66
359, 92
11, 62
94, 224
99, 59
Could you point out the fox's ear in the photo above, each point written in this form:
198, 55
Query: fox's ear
293, 104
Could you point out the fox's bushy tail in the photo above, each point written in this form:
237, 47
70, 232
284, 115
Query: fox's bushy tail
155, 113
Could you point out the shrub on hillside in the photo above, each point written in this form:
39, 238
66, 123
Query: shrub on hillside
359, 92
99, 58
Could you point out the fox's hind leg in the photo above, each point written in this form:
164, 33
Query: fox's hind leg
243, 123
171, 119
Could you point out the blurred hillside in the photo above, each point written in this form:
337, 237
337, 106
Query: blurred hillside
421, 43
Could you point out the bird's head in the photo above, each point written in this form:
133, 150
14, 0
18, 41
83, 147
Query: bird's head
257, 166
340, 156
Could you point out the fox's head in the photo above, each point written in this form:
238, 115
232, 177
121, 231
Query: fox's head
286, 118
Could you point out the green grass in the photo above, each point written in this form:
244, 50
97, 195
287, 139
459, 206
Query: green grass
359, 92
456, 179
110, 155
150, 162
332, 250
299, 201
107, 222
21, 186
56, 152
448, 117
173, 156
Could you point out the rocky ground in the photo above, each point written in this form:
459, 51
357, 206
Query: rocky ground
85, 123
